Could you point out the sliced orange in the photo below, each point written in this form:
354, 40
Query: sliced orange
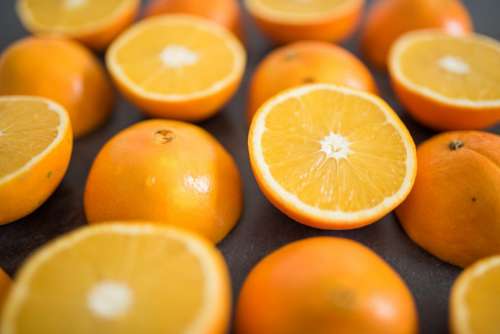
292, 20
35, 149
177, 66
123, 279
4, 287
475, 299
448, 82
93, 22
331, 157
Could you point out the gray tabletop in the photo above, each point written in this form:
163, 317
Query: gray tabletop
262, 228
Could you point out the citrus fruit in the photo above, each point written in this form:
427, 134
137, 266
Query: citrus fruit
324, 285
4, 287
177, 66
60, 70
331, 157
306, 62
121, 279
453, 210
223, 12
35, 149
475, 301
446, 82
93, 22
166, 171
286, 21
388, 19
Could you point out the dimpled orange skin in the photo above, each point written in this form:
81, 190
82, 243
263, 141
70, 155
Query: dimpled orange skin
453, 210
4, 287
166, 171
333, 28
303, 63
60, 70
223, 12
388, 19
324, 285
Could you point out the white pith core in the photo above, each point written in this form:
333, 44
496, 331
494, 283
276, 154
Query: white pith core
109, 299
335, 146
177, 56
73, 4
454, 65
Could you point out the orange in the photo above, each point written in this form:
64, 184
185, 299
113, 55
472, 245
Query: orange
306, 62
474, 301
123, 279
166, 171
453, 211
4, 287
389, 19
331, 157
64, 72
93, 22
177, 66
286, 21
35, 149
324, 285
223, 12
447, 82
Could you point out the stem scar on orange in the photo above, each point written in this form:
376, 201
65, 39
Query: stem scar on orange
166, 171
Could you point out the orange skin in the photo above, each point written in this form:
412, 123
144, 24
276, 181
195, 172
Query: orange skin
4, 287
453, 210
334, 28
223, 12
441, 116
324, 285
389, 19
166, 171
60, 70
303, 63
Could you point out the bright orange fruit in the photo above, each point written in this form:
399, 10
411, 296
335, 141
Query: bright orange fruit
306, 62
60, 70
35, 149
448, 82
166, 171
453, 210
324, 285
124, 279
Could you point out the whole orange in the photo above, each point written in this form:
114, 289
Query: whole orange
61, 70
223, 12
389, 19
165, 171
303, 63
324, 285
453, 210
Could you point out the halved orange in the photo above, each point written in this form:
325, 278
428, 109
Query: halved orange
448, 82
123, 279
331, 157
93, 22
292, 20
475, 299
35, 148
4, 288
177, 66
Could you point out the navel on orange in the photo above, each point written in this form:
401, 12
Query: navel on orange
448, 82
331, 157
177, 66
35, 149
93, 22
121, 279
475, 299
292, 20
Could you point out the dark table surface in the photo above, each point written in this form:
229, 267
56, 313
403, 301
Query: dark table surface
262, 228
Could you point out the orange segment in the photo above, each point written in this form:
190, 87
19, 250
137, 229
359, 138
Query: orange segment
448, 82
474, 301
331, 157
35, 148
177, 66
94, 22
121, 279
